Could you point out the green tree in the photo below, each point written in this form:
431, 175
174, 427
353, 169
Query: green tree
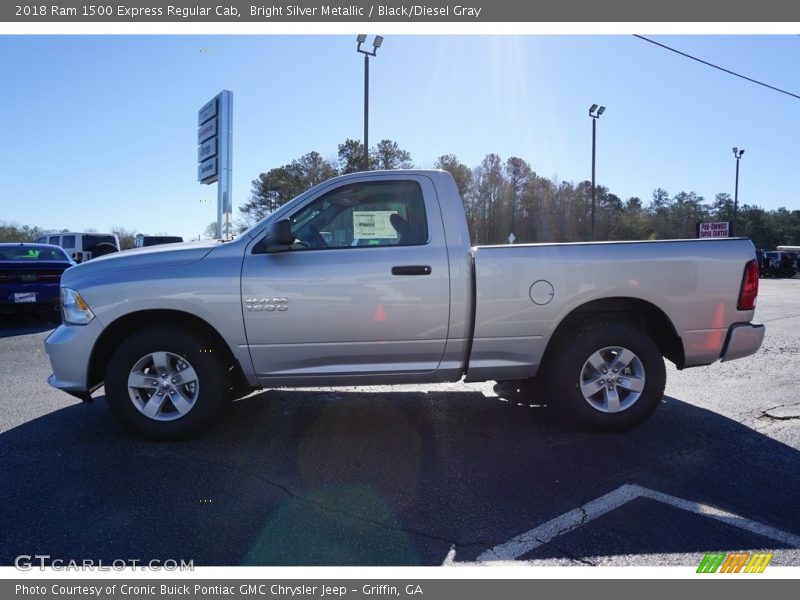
544, 208
722, 207
688, 209
314, 169
489, 184
351, 156
276, 187
460, 172
758, 225
515, 219
609, 217
387, 155
659, 211
634, 225
11, 232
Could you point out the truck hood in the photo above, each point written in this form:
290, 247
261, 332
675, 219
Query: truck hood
166, 255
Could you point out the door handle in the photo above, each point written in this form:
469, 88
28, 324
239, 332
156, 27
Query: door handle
412, 270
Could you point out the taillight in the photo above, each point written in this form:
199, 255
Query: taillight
749, 289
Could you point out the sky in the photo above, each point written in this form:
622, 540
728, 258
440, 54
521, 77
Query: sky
100, 131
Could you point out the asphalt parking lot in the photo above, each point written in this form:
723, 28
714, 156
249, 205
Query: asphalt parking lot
410, 475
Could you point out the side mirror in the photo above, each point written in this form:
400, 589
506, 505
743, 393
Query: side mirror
278, 236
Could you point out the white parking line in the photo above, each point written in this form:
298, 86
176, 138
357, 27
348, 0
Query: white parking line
524, 543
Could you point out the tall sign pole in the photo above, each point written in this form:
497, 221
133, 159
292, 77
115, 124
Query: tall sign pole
214, 155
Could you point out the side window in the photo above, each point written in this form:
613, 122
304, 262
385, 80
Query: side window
380, 213
54, 240
68, 241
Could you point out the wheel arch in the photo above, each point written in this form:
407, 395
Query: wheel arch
122, 327
645, 315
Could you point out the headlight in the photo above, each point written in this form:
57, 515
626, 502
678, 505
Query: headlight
74, 309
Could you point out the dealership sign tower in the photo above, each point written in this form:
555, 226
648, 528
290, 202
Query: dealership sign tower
214, 136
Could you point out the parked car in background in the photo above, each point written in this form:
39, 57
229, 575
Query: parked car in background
142, 241
763, 263
779, 264
30, 276
82, 246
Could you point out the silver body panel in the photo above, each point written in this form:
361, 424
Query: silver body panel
694, 282
339, 316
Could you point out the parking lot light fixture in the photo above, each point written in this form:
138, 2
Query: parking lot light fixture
734, 227
594, 112
376, 43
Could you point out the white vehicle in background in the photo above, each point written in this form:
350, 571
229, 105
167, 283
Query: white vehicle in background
82, 246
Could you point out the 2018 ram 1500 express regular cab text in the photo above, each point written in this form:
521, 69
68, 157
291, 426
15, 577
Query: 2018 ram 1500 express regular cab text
370, 278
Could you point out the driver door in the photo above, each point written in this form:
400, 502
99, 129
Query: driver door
364, 291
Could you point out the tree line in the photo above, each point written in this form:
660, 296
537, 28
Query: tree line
11, 232
502, 197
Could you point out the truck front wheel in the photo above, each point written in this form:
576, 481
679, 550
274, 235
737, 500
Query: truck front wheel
606, 376
165, 383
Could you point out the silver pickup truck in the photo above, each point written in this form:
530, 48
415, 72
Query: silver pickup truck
370, 278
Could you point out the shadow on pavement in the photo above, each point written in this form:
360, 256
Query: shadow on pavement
379, 478
14, 324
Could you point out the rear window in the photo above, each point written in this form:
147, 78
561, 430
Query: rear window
92, 240
23, 254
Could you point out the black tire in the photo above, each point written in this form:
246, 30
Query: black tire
569, 371
193, 395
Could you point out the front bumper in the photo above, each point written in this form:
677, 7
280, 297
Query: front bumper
69, 348
743, 339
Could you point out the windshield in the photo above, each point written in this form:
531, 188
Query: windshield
259, 225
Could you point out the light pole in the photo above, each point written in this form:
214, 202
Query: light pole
376, 43
594, 112
734, 228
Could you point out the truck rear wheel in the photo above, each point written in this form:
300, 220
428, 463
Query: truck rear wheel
606, 376
166, 383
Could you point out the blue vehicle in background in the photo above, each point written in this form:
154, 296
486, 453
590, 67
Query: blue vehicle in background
30, 276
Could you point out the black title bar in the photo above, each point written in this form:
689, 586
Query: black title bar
470, 11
